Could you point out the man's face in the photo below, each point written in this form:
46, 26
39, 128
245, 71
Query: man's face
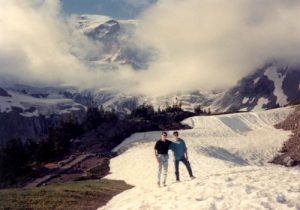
163, 136
176, 135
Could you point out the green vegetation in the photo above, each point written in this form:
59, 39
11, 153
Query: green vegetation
57, 142
14, 162
73, 195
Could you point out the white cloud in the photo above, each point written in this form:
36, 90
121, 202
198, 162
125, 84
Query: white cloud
213, 43
35, 35
37, 46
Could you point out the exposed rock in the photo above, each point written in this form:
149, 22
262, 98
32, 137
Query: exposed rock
288, 161
14, 125
4, 93
290, 152
272, 86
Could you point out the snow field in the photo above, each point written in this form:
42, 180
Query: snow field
229, 155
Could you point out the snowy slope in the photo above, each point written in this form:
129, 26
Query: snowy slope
30, 106
229, 155
278, 79
272, 86
111, 99
125, 102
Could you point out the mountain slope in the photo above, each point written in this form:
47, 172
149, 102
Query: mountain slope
29, 114
228, 154
117, 40
272, 86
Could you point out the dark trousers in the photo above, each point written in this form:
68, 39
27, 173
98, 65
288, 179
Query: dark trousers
187, 165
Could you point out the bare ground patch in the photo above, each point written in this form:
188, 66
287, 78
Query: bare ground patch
289, 155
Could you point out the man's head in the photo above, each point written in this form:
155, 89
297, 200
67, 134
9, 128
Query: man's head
176, 134
164, 135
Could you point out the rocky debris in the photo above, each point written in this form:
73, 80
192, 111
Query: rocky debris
100, 170
70, 166
290, 152
66, 161
4, 93
288, 161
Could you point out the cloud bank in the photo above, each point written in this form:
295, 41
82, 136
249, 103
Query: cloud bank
202, 44
34, 43
38, 46
213, 43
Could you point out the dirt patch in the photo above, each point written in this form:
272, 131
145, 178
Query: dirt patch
84, 170
290, 152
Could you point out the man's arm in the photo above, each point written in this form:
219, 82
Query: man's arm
156, 153
185, 151
186, 154
171, 146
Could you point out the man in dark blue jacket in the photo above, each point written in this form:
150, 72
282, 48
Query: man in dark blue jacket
180, 154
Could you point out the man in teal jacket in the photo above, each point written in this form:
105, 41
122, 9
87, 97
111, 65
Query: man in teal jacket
180, 154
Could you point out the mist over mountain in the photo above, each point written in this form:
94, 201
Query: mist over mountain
186, 46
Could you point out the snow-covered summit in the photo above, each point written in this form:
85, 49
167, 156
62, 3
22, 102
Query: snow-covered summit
117, 40
88, 22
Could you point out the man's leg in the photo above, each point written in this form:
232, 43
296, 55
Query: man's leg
165, 170
176, 162
159, 171
188, 166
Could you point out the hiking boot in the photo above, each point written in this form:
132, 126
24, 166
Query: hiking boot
164, 184
193, 177
158, 184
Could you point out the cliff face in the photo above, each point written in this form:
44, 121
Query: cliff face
27, 117
14, 125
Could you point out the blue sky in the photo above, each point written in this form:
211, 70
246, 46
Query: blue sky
116, 8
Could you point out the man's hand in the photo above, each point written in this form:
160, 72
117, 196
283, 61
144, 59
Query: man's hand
186, 156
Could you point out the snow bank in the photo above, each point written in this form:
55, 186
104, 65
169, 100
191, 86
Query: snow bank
275, 76
229, 155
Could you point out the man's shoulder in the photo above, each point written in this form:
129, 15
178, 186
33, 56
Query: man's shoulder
157, 142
